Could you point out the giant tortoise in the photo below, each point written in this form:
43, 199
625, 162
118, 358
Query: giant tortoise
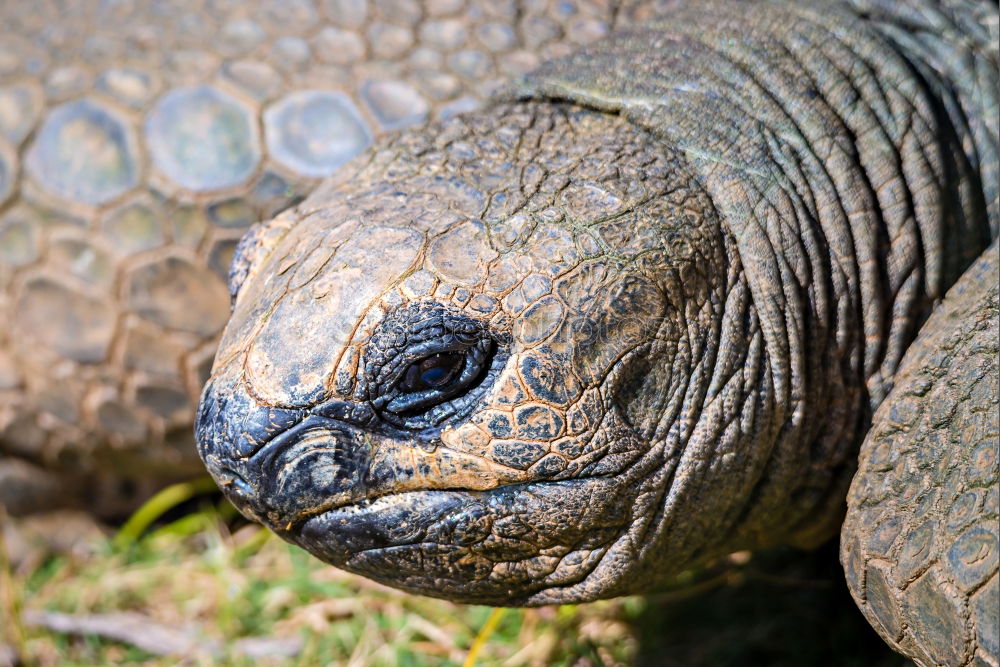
639, 311
138, 141
642, 310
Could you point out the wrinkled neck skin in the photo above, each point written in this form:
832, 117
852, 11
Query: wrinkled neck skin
657, 372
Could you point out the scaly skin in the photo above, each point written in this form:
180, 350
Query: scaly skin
681, 270
676, 317
138, 141
636, 314
556, 257
920, 543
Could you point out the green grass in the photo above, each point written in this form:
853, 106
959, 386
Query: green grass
224, 580
231, 584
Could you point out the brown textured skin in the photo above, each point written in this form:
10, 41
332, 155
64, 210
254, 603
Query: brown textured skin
112, 310
699, 319
579, 280
697, 252
920, 543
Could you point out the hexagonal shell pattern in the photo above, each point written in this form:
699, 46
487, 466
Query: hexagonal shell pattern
315, 131
85, 153
203, 139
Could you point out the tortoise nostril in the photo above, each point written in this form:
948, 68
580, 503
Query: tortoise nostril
239, 492
237, 481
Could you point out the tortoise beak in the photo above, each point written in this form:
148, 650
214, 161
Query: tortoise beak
278, 466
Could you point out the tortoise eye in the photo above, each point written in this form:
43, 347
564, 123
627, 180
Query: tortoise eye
427, 366
433, 372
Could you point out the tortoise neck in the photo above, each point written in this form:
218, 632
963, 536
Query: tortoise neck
952, 46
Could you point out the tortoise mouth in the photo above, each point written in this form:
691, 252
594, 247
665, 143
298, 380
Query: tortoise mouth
281, 466
397, 519
409, 513
318, 464
489, 547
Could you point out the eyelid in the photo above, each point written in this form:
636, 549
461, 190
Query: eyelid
411, 334
407, 401
416, 370
419, 352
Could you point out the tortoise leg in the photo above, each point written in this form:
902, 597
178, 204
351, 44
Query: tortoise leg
920, 544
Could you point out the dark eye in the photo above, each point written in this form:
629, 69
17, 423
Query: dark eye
433, 372
428, 365
434, 380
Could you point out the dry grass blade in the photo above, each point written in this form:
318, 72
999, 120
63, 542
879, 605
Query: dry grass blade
484, 634
156, 638
126, 627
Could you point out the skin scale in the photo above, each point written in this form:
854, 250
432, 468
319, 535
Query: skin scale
683, 266
138, 141
68, 415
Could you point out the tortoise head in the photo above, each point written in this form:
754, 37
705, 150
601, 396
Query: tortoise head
468, 365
